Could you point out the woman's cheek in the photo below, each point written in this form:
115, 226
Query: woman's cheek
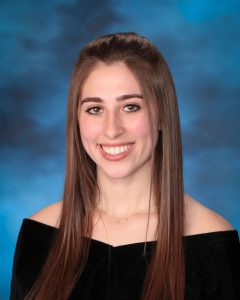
89, 130
140, 128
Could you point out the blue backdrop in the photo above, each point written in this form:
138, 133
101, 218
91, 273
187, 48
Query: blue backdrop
39, 44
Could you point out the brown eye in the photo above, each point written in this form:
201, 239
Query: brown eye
131, 107
93, 110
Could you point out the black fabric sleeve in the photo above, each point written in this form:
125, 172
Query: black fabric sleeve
213, 266
29, 256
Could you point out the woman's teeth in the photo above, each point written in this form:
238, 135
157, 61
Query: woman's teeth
116, 150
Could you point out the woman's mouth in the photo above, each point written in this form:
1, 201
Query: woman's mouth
116, 152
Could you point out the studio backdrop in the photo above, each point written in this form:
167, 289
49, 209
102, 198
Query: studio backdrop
39, 45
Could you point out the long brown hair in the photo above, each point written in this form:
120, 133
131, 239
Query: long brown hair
68, 254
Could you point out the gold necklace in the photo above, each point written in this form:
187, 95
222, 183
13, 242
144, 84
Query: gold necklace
119, 219
125, 219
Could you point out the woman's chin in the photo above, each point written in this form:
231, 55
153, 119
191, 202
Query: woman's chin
116, 174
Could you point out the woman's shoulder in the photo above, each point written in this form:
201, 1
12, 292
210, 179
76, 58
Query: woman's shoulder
201, 219
198, 218
49, 215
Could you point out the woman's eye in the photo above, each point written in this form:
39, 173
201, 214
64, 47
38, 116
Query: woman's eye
93, 110
131, 107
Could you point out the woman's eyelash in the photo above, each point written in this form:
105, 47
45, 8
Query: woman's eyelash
135, 105
89, 109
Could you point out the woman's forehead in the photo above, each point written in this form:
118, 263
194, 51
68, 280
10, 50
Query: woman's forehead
115, 78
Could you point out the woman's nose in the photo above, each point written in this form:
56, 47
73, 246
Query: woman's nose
113, 126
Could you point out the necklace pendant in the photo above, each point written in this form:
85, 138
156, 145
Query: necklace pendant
125, 219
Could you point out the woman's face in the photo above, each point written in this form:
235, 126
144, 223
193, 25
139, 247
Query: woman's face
113, 121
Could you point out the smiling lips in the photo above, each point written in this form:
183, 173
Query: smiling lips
115, 152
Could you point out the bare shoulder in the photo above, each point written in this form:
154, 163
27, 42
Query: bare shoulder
201, 219
49, 215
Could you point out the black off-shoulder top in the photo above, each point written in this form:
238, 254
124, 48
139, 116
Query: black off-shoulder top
212, 266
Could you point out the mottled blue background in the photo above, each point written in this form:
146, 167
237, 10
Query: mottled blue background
39, 44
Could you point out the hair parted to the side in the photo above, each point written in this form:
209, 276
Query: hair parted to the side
165, 277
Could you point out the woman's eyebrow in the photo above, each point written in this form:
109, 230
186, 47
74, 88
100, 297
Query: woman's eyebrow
120, 98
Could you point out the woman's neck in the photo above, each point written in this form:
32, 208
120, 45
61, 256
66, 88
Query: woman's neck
125, 196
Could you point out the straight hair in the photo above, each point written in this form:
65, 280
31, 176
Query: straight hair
69, 249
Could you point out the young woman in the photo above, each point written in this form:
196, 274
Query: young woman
125, 229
